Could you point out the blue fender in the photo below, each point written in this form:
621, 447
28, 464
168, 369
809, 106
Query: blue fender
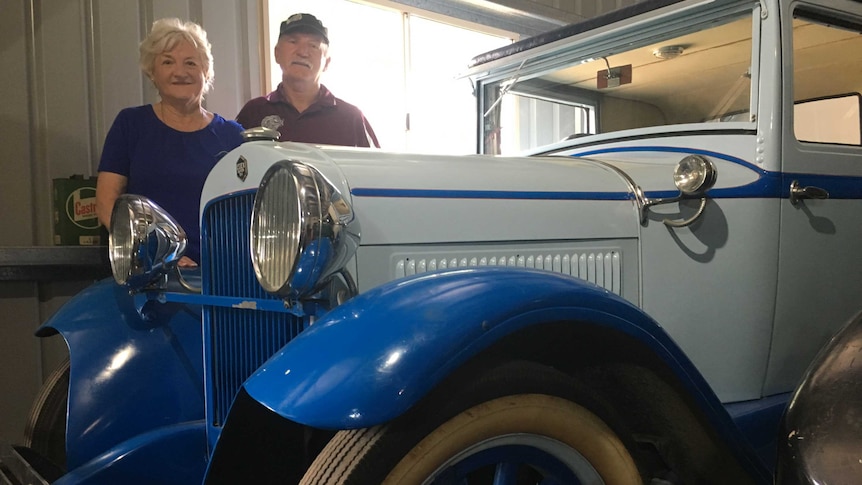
171, 455
128, 375
372, 358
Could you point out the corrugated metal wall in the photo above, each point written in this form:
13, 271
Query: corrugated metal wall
69, 67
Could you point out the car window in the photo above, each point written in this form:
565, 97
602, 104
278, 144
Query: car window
694, 74
827, 79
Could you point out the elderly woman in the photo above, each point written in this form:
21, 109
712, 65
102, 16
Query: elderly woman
165, 150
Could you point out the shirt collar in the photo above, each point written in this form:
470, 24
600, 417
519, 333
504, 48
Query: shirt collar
324, 97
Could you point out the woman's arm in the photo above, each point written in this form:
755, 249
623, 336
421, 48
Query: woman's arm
109, 186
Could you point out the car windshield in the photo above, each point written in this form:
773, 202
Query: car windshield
697, 74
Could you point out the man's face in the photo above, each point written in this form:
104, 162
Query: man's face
302, 56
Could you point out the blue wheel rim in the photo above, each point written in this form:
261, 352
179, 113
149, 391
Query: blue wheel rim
515, 459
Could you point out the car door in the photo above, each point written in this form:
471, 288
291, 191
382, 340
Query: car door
820, 264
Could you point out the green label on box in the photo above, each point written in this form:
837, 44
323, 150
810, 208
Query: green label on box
81, 208
75, 219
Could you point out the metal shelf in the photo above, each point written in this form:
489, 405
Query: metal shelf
54, 263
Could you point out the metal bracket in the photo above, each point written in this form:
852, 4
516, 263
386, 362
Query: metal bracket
690, 220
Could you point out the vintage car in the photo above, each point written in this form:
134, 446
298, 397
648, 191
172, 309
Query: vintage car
626, 284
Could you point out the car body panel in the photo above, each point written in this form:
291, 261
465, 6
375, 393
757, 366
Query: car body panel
393, 343
178, 449
128, 375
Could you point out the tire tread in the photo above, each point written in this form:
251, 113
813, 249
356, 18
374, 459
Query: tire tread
340, 456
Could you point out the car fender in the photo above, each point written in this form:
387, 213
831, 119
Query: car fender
179, 450
372, 358
128, 374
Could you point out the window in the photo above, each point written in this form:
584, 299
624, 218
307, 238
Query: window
827, 79
400, 69
695, 74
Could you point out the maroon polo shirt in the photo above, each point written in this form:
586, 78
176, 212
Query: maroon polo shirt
329, 121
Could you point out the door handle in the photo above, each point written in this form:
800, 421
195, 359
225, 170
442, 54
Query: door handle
799, 193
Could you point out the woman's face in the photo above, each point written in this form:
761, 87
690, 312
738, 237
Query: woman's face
179, 74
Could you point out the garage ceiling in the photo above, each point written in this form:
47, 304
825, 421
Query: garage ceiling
524, 17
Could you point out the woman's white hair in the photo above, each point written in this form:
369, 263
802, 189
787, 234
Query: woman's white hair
166, 34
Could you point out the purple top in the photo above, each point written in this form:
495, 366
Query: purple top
329, 121
166, 165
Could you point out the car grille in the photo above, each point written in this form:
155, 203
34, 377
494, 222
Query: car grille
239, 340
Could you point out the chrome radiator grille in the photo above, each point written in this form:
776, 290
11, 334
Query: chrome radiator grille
240, 340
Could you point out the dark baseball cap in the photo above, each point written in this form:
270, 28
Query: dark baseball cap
304, 22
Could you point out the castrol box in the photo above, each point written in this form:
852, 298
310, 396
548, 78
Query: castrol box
75, 220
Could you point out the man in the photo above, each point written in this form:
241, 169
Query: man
301, 108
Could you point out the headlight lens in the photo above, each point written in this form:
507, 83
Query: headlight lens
145, 242
276, 228
302, 230
694, 174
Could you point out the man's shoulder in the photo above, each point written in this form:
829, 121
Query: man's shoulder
346, 107
328, 98
255, 110
255, 103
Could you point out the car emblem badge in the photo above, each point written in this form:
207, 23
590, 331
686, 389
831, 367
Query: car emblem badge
242, 168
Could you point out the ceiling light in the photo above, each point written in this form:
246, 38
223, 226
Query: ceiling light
668, 51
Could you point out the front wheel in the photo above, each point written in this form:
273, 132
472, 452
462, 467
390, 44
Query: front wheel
536, 434
45, 431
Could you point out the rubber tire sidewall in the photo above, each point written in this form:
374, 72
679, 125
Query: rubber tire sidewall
537, 414
368, 456
45, 431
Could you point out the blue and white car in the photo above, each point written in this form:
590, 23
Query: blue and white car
625, 286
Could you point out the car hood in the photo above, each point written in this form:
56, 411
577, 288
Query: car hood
412, 198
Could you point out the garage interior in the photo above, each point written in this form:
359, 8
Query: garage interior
69, 68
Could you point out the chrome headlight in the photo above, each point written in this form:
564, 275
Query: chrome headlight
302, 230
145, 242
694, 175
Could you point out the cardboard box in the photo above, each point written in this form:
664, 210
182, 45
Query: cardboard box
75, 220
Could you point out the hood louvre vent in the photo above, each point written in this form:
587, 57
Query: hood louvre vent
601, 268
